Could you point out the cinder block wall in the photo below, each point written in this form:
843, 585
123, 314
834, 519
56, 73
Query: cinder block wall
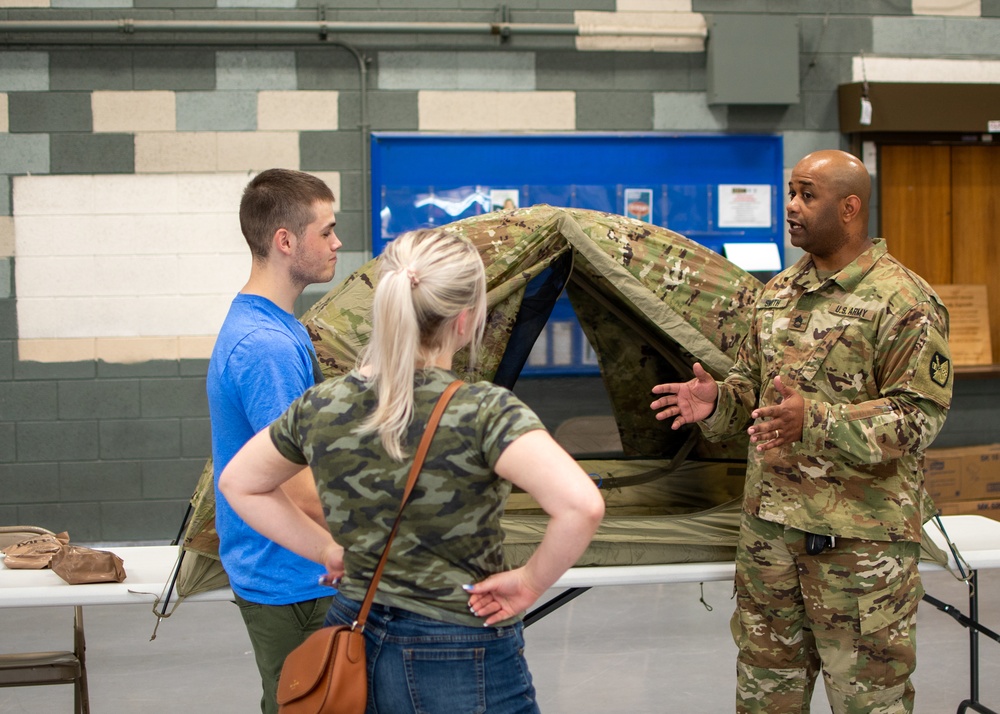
122, 156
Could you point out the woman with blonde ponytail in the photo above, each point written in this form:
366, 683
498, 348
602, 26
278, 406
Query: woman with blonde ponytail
445, 633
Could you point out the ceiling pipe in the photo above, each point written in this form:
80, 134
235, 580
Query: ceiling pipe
321, 28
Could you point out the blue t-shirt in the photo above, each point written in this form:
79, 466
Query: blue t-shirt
262, 361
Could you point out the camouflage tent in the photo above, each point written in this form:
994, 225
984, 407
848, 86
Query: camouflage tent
651, 303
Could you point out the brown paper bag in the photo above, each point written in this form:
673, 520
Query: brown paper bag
34, 553
77, 565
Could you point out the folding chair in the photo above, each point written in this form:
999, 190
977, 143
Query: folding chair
28, 669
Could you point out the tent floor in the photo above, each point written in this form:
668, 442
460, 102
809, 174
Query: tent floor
641, 649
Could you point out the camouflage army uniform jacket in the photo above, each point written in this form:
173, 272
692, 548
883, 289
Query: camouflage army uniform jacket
867, 348
450, 534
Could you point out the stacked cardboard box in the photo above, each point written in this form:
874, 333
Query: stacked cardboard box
965, 480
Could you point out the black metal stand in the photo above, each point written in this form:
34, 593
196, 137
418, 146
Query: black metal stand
554, 604
972, 622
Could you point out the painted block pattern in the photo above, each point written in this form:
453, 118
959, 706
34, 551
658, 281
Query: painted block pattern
497, 111
134, 111
144, 149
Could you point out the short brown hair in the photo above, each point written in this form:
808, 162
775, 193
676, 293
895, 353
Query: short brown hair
278, 198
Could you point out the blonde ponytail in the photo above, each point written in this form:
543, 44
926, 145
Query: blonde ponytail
427, 278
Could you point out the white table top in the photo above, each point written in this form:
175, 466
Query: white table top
149, 567
977, 538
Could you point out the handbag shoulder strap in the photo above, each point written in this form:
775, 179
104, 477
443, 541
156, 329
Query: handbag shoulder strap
418, 463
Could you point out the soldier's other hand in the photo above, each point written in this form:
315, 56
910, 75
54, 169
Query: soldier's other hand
781, 423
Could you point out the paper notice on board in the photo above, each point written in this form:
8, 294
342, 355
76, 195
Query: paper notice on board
744, 206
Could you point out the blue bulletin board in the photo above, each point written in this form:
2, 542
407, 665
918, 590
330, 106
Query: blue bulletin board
717, 190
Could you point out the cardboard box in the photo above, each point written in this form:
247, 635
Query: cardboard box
981, 474
966, 473
943, 475
990, 509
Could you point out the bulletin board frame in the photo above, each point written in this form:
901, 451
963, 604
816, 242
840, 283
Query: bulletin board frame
699, 185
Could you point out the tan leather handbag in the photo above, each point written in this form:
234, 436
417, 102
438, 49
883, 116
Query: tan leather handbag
328, 673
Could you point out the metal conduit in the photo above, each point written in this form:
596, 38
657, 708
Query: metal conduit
323, 27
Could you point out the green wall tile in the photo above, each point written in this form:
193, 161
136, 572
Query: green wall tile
140, 438
53, 370
92, 68
99, 399
24, 71
57, 441
8, 442
250, 70
574, 71
141, 520
216, 111
23, 154
171, 478
177, 69
28, 401
990, 8
100, 481
619, 111
5, 277
330, 150
5, 195
29, 483
174, 4
8, 319
193, 368
34, 112
179, 397
81, 520
6, 359
92, 154
387, 111
196, 438
155, 368
330, 68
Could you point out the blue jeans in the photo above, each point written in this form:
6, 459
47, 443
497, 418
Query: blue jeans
422, 666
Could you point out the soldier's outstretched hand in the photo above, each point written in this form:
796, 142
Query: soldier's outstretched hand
687, 402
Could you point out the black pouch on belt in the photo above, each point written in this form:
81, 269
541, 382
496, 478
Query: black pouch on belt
816, 544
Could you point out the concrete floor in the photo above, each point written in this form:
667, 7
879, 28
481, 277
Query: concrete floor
639, 649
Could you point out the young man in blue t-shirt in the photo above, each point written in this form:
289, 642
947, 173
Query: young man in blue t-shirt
263, 359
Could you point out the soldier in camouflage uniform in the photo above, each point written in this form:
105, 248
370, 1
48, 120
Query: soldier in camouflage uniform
845, 377
445, 577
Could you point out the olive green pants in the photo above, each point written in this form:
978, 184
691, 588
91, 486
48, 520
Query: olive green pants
849, 612
275, 630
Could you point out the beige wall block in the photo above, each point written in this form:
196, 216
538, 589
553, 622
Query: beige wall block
497, 111
162, 152
902, 69
256, 151
4, 114
130, 350
966, 8
6, 236
297, 111
653, 6
134, 111
331, 179
81, 350
195, 347
24, 3
641, 31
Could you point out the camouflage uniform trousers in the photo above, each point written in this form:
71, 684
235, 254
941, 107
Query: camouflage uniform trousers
851, 610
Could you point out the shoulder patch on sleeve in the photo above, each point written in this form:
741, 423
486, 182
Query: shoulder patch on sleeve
940, 369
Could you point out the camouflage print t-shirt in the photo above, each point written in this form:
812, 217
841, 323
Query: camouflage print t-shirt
867, 349
450, 534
